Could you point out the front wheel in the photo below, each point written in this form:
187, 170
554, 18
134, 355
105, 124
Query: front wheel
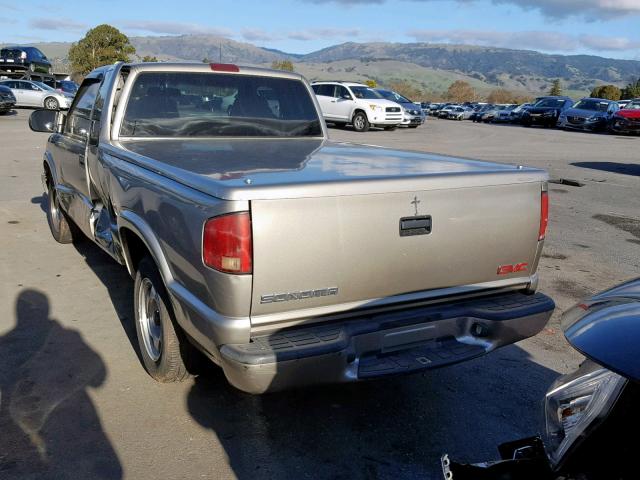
163, 353
59, 224
360, 122
51, 103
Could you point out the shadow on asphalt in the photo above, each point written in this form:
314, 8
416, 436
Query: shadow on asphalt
49, 427
632, 169
389, 428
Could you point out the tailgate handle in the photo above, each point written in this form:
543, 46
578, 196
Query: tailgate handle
415, 225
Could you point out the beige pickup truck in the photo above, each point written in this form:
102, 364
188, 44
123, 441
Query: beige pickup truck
286, 258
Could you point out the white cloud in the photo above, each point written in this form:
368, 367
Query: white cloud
590, 9
257, 35
324, 33
175, 28
57, 24
532, 40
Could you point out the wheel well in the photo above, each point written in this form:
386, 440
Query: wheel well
47, 173
359, 110
134, 248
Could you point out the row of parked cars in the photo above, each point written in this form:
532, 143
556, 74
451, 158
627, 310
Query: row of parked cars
590, 114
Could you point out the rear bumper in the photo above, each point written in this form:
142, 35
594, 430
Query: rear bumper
386, 344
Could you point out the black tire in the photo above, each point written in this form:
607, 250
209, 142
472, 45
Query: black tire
413, 126
340, 125
152, 311
51, 103
61, 228
360, 122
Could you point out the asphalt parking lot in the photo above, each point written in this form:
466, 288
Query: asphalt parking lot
82, 406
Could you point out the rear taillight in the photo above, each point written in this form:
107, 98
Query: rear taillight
224, 67
227, 243
544, 215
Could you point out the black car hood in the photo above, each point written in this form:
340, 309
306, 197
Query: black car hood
606, 329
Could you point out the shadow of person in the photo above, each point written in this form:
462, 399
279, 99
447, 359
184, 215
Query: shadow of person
49, 427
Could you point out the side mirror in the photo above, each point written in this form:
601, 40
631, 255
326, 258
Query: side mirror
346, 96
44, 121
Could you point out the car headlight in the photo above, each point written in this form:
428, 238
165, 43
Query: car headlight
375, 107
576, 403
593, 119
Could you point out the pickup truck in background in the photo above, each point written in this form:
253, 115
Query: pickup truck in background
285, 258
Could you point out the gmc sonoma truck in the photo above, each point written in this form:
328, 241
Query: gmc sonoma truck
285, 258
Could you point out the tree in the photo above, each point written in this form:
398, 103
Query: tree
371, 83
406, 89
101, 45
632, 90
556, 88
461, 91
285, 65
500, 95
610, 92
149, 58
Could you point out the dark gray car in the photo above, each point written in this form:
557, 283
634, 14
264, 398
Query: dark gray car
594, 114
7, 99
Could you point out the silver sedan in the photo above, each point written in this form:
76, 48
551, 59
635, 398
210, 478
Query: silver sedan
29, 93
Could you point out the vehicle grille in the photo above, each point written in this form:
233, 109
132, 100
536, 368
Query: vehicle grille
392, 109
576, 120
397, 117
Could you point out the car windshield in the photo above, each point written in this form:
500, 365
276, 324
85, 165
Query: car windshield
44, 86
590, 104
163, 104
550, 103
394, 97
366, 92
633, 105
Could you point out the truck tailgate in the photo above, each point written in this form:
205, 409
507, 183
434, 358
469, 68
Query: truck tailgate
331, 251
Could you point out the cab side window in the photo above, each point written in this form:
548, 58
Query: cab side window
78, 123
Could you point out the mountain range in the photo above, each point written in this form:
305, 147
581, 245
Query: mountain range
430, 67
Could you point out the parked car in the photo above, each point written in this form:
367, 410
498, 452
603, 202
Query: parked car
412, 114
285, 258
594, 114
516, 113
36, 94
546, 111
627, 120
623, 103
67, 86
504, 114
591, 414
445, 110
345, 103
491, 113
7, 99
479, 110
460, 113
20, 59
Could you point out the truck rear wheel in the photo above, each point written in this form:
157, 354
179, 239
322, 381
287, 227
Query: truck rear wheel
360, 122
163, 352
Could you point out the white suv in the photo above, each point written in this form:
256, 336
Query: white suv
357, 104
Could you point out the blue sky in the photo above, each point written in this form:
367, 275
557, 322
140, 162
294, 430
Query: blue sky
601, 27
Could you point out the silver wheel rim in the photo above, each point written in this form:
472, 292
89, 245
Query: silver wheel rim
358, 122
54, 208
51, 104
149, 319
